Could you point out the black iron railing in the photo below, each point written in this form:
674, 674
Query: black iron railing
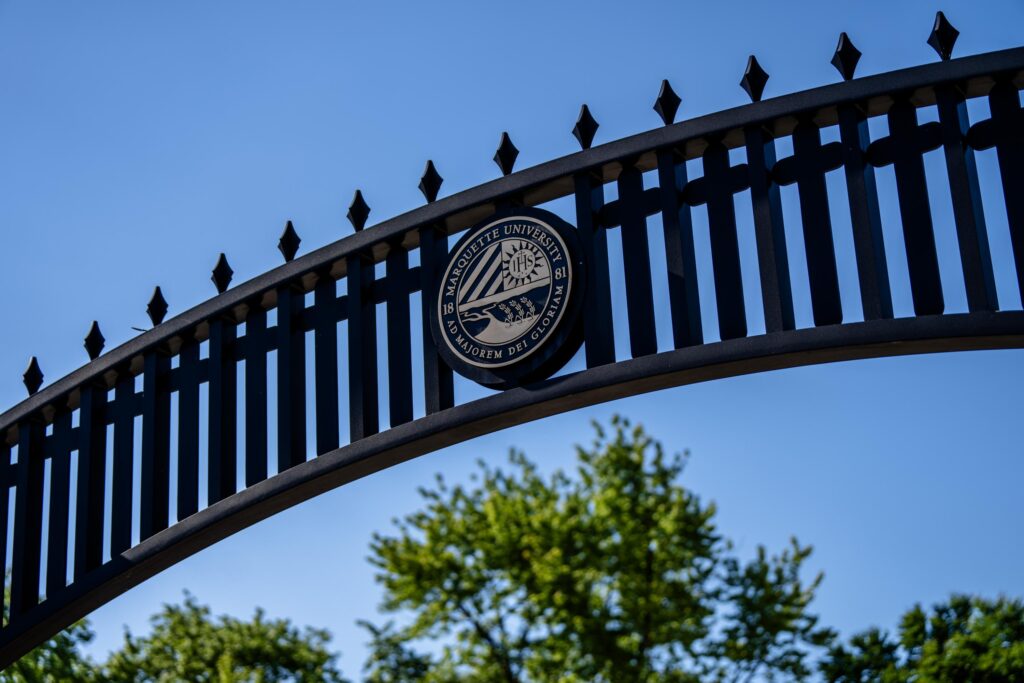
92, 415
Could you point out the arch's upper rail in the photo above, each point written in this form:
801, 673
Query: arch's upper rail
59, 447
554, 179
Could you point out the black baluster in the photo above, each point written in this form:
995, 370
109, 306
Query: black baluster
636, 260
437, 376
188, 428
1008, 132
362, 349
725, 251
60, 501
7, 479
325, 346
965, 191
222, 450
865, 217
155, 475
91, 485
769, 231
680, 259
121, 486
255, 395
291, 379
915, 211
399, 342
597, 302
809, 166
28, 518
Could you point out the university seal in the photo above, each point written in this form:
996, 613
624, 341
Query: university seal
508, 300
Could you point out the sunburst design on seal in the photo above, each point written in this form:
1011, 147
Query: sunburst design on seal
504, 292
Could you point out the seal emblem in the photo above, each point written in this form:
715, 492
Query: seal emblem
509, 297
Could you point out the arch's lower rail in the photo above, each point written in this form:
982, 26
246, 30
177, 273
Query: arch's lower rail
933, 334
58, 446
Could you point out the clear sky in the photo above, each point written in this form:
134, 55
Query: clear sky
138, 140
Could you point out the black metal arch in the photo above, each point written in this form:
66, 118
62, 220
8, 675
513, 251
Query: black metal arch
73, 417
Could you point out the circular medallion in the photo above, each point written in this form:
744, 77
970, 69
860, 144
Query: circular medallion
508, 300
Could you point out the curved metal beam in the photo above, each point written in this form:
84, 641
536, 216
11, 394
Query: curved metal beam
998, 75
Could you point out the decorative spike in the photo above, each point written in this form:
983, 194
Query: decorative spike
754, 79
943, 36
586, 126
33, 376
289, 242
157, 307
94, 341
222, 274
358, 211
431, 181
506, 155
667, 103
846, 57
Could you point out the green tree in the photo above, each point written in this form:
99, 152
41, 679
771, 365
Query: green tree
58, 660
964, 639
188, 644
614, 574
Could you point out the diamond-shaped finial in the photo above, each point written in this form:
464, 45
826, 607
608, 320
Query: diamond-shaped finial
157, 307
94, 341
846, 57
289, 242
222, 274
506, 155
943, 36
667, 103
358, 211
431, 181
586, 126
754, 79
33, 377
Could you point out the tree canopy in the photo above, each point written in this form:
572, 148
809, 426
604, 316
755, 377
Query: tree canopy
964, 639
615, 574
187, 643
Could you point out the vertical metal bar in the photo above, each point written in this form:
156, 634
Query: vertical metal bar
188, 429
255, 395
28, 518
7, 478
597, 302
972, 235
725, 250
60, 500
124, 440
680, 259
155, 477
92, 476
362, 349
865, 217
1004, 102
915, 211
222, 451
325, 357
817, 225
291, 380
636, 260
437, 376
769, 230
399, 343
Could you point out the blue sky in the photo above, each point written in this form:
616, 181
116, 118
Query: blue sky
139, 140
